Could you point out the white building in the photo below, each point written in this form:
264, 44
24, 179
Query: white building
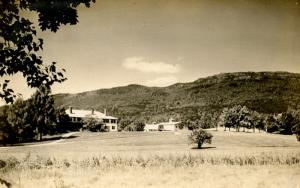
110, 123
152, 127
163, 126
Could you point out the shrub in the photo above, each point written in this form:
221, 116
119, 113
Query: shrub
92, 124
296, 131
271, 123
200, 136
287, 121
139, 126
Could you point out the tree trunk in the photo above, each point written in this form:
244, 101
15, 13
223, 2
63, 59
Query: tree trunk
199, 145
41, 136
40, 133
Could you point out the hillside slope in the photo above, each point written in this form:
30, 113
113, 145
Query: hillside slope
267, 92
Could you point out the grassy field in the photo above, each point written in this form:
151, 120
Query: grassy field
157, 159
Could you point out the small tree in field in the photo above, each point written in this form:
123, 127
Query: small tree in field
200, 136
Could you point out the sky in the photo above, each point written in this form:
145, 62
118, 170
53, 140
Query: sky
162, 42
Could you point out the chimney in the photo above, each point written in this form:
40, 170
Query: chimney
171, 120
93, 111
105, 111
70, 109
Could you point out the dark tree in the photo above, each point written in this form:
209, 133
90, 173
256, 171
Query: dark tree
271, 123
296, 124
199, 137
258, 121
20, 45
63, 120
20, 127
43, 111
139, 126
7, 134
287, 121
124, 123
229, 117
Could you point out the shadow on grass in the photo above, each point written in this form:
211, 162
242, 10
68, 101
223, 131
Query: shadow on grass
207, 147
73, 136
284, 146
5, 183
45, 140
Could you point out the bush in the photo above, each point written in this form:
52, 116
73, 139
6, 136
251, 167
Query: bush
296, 131
200, 136
139, 126
92, 124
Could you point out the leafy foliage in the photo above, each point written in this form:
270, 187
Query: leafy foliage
237, 117
288, 120
296, 131
63, 120
43, 111
7, 132
92, 124
271, 123
129, 124
20, 46
284, 123
200, 136
26, 120
19, 120
296, 123
258, 120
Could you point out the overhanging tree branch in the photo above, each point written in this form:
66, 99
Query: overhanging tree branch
20, 46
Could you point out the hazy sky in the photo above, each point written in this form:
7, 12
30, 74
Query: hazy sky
160, 42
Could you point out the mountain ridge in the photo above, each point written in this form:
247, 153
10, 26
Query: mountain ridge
265, 92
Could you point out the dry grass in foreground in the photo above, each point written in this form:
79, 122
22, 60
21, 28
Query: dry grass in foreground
182, 170
202, 176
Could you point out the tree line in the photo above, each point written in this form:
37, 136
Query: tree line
242, 118
31, 119
27, 120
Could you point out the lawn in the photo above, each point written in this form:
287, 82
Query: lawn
155, 159
87, 143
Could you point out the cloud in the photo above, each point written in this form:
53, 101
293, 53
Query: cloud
162, 81
138, 63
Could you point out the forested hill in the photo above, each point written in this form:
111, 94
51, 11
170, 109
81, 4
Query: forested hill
267, 92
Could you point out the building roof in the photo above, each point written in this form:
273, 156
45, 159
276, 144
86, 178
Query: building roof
156, 125
88, 113
169, 123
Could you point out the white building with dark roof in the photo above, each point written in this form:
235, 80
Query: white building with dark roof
163, 126
110, 123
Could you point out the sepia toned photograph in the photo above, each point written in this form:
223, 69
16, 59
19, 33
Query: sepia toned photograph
150, 93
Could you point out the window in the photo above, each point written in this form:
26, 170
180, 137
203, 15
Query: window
113, 127
113, 121
105, 120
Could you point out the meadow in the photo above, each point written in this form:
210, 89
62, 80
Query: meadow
155, 159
